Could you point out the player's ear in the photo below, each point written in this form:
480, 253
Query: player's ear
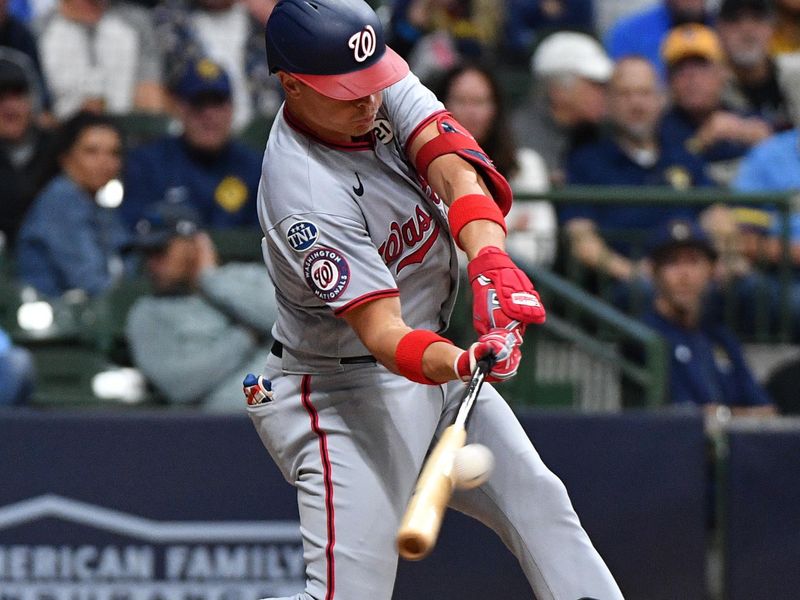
291, 85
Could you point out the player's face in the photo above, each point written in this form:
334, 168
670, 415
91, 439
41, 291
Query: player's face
15, 114
344, 119
635, 99
207, 123
330, 119
170, 268
472, 103
94, 159
683, 278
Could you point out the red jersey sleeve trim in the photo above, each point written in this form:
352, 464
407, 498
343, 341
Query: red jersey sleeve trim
376, 295
427, 121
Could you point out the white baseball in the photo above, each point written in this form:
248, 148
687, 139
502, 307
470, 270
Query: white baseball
472, 465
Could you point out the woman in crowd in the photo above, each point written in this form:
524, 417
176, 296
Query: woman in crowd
472, 94
72, 236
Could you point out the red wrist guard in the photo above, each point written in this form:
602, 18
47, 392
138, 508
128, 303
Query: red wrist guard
473, 207
409, 351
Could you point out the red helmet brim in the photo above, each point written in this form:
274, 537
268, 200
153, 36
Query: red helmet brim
390, 69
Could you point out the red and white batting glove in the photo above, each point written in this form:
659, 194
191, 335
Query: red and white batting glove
502, 295
501, 343
257, 390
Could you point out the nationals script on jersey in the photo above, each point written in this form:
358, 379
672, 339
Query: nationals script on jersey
347, 224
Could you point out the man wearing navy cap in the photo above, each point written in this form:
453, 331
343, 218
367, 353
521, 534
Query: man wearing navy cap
205, 165
196, 335
707, 367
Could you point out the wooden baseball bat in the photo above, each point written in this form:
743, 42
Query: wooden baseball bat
420, 526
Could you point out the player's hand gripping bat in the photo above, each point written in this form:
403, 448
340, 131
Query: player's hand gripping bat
423, 517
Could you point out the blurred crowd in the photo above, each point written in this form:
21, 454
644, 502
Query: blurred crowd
674, 93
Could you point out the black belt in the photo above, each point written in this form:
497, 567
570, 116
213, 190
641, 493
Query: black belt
277, 350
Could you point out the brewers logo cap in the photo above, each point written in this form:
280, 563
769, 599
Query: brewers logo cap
203, 78
679, 233
691, 40
335, 47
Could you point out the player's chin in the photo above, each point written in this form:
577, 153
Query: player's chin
363, 126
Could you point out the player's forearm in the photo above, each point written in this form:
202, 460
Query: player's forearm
452, 178
479, 234
437, 360
380, 328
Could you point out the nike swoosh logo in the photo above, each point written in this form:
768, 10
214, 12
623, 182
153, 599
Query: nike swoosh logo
360, 189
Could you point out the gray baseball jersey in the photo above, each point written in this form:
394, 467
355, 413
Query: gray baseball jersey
344, 225
348, 224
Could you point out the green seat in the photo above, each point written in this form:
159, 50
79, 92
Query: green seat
111, 315
256, 133
553, 394
64, 374
139, 128
9, 302
239, 244
516, 84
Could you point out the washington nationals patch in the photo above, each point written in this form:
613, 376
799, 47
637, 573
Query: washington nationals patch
327, 273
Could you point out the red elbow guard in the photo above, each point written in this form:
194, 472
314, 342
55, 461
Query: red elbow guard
409, 351
454, 138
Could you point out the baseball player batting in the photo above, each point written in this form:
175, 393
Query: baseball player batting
368, 186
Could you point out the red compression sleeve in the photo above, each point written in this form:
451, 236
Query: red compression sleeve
409, 351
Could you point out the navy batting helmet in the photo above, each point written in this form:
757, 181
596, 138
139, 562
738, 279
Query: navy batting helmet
334, 46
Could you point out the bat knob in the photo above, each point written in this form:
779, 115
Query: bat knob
413, 547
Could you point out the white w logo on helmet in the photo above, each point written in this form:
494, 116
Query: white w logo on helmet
363, 43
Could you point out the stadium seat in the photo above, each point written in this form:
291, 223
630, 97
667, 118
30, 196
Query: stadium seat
240, 244
111, 314
256, 133
139, 128
64, 373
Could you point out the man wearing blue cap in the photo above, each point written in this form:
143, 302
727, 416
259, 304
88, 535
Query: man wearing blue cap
195, 336
707, 367
204, 166
368, 186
